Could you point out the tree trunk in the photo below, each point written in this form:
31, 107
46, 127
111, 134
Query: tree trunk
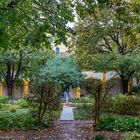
96, 118
125, 86
97, 110
10, 90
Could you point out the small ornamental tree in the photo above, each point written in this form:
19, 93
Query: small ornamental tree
49, 81
100, 92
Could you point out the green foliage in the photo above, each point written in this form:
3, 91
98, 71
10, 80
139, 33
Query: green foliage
126, 105
13, 107
48, 82
85, 99
108, 38
27, 27
119, 123
4, 99
98, 137
118, 104
60, 72
131, 136
35, 28
17, 121
89, 86
83, 113
136, 89
3, 106
22, 103
84, 108
50, 117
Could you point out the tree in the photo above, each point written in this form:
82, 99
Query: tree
48, 82
29, 25
108, 37
101, 91
12, 64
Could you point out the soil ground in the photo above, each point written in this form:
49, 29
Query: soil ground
62, 130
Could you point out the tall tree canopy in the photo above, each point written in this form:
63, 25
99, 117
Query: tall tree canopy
108, 37
27, 26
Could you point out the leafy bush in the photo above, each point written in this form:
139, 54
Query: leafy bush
49, 118
122, 104
17, 121
83, 111
4, 107
84, 99
83, 114
22, 103
98, 137
13, 107
4, 99
108, 104
119, 123
126, 105
131, 136
87, 99
136, 89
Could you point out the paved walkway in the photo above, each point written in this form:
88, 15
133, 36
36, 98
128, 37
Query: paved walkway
67, 113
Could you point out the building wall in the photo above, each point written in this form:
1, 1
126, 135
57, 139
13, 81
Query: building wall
17, 91
104, 77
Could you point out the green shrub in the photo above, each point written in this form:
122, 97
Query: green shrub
131, 136
122, 104
83, 114
98, 137
85, 99
4, 107
126, 105
136, 89
119, 123
17, 121
84, 108
4, 99
22, 103
13, 107
107, 105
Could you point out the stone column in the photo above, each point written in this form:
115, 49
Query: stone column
78, 93
26, 87
1, 89
104, 77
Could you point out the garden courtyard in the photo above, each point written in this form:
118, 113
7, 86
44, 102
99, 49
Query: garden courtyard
69, 70
72, 120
